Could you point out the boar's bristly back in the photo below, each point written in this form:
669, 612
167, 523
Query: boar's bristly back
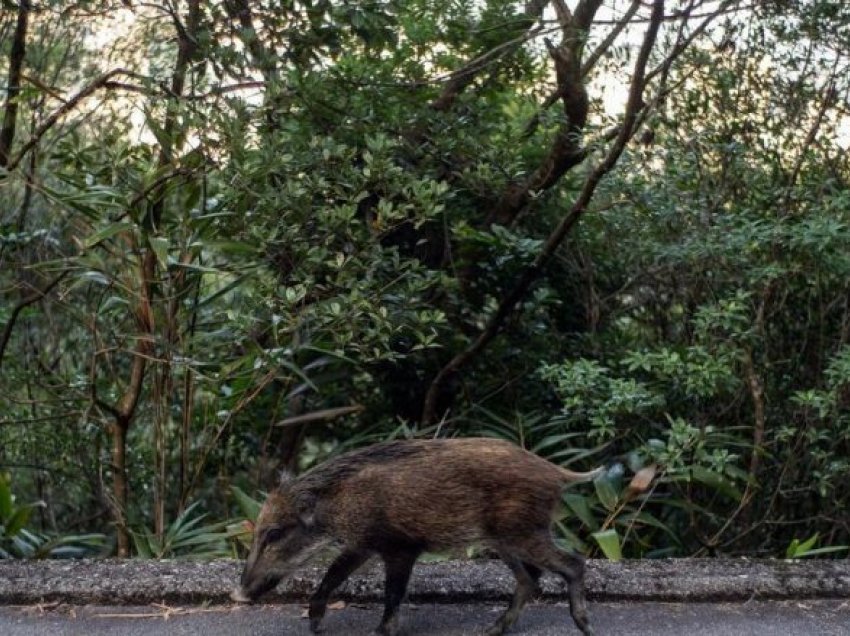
436, 494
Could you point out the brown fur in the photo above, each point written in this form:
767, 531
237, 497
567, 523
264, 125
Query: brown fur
398, 499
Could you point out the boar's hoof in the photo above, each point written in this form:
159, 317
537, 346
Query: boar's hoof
496, 629
388, 628
239, 596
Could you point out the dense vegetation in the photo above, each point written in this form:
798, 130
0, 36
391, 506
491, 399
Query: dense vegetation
237, 237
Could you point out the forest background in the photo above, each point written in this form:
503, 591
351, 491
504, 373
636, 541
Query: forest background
238, 237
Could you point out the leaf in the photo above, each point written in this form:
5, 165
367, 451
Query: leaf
249, 506
286, 364
716, 481
647, 519
18, 520
641, 481
67, 201
107, 232
552, 440
6, 501
67, 552
142, 545
95, 276
606, 492
218, 293
824, 550
797, 548
570, 538
579, 505
159, 245
609, 543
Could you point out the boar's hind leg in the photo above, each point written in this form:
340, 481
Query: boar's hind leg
542, 552
527, 576
399, 566
340, 569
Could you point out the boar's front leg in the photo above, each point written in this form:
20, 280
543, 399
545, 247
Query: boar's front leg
399, 565
527, 576
340, 569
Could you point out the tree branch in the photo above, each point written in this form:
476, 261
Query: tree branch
593, 58
240, 11
463, 77
827, 99
567, 150
520, 288
684, 43
32, 298
603, 46
98, 83
16, 63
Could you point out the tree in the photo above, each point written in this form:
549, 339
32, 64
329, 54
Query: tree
245, 235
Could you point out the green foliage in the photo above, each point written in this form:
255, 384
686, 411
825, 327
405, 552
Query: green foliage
799, 549
591, 396
16, 541
248, 506
187, 537
302, 232
609, 543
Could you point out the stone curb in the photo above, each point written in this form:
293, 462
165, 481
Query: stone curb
136, 582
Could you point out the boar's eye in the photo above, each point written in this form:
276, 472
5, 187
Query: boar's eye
273, 535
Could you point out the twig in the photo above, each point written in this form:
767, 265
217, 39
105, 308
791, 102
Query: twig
320, 416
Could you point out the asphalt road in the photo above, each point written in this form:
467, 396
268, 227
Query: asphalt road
786, 618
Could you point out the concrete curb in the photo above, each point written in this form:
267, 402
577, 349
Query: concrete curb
111, 581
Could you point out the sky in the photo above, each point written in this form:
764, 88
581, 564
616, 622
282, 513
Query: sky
611, 87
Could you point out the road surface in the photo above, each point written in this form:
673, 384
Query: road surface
785, 618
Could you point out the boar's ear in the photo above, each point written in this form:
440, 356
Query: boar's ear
305, 508
286, 479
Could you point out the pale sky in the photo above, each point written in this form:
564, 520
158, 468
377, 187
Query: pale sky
612, 88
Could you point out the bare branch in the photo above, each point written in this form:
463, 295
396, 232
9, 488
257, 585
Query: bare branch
603, 46
563, 14
684, 43
53, 92
320, 416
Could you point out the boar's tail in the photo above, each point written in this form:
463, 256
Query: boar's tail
573, 477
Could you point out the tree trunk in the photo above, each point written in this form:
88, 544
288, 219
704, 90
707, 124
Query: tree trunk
16, 63
119, 485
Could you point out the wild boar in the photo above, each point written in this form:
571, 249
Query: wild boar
398, 499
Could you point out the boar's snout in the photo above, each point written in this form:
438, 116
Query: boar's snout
254, 583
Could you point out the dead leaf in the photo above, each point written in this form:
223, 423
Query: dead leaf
642, 479
337, 605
